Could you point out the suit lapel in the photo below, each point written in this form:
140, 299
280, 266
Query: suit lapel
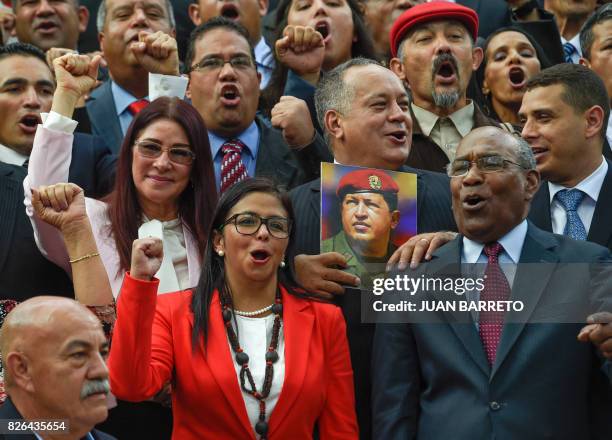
272, 160
461, 323
219, 359
539, 213
601, 225
298, 320
103, 116
9, 194
315, 200
537, 264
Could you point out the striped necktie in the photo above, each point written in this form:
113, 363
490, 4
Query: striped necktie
568, 51
232, 167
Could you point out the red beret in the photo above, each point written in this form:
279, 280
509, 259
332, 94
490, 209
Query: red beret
436, 10
371, 181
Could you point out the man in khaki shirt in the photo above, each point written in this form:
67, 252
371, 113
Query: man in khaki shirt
434, 54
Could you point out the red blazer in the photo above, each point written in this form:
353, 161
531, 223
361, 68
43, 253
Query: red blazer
152, 344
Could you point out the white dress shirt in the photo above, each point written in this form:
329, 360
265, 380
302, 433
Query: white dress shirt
10, 156
576, 43
591, 186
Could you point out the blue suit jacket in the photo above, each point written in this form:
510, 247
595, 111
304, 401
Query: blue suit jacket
103, 116
93, 165
433, 381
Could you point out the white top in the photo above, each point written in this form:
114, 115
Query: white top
591, 186
174, 243
255, 335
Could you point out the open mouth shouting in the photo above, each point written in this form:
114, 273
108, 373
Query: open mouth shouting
445, 70
324, 29
473, 202
398, 137
230, 96
46, 27
230, 11
29, 122
260, 256
517, 78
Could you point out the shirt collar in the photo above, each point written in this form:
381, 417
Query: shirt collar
263, 54
574, 42
249, 137
512, 243
12, 157
122, 98
463, 119
591, 185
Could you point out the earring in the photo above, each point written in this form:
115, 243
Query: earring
221, 253
282, 264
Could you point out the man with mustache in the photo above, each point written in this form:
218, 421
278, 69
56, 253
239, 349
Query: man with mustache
434, 54
47, 23
54, 357
368, 209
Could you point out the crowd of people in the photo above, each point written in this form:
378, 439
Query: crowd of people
162, 270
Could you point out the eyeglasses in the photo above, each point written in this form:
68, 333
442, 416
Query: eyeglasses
249, 224
210, 64
485, 164
180, 155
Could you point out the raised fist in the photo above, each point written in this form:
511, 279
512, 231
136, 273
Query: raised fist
76, 74
291, 115
302, 50
61, 205
157, 53
147, 256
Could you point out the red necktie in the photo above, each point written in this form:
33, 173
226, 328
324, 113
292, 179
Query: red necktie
496, 288
232, 167
135, 107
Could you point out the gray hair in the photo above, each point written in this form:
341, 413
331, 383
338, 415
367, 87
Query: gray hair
332, 92
101, 18
524, 153
587, 37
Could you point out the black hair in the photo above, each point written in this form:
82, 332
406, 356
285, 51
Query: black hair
24, 50
587, 36
582, 88
214, 23
213, 270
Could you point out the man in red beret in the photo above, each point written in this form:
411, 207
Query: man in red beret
434, 53
368, 207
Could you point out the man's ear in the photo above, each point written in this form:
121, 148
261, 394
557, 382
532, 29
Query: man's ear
188, 91
333, 124
594, 118
477, 57
19, 370
532, 184
397, 67
585, 62
83, 14
194, 13
263, 7
395, 219
101, 41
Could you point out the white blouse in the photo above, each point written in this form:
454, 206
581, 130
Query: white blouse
255, 335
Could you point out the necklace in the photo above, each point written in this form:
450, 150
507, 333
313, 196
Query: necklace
246, 378
254, 312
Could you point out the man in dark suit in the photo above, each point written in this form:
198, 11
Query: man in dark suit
371, 129
54, 353
112, 106
566, 127
496, 376
224, 88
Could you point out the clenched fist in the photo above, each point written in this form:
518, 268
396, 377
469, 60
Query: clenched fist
157, 53
291, 115
61, 205
147, 256
302, 50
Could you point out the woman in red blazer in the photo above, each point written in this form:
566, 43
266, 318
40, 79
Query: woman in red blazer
248, 356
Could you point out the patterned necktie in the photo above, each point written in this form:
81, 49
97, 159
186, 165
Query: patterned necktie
496, 288
571, 199
135, 107
232, 167
568, 51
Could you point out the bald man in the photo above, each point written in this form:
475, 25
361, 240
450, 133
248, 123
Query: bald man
54, 359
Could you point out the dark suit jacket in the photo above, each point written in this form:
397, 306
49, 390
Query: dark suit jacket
607, 151
433, 381
103, 116
93, 165
274, 158
434, 214
8, 411
425, 154
600, 231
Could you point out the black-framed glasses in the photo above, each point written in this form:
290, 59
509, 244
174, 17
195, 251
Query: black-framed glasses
180, 155
247, 223
485, 164
213, 63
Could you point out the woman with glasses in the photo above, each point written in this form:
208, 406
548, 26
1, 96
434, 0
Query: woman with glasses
164, 184
249, 355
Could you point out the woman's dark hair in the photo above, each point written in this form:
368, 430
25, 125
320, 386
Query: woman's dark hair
363, 47
485, 101
197, 200
213, 267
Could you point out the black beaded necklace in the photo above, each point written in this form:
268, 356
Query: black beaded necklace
243, 359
